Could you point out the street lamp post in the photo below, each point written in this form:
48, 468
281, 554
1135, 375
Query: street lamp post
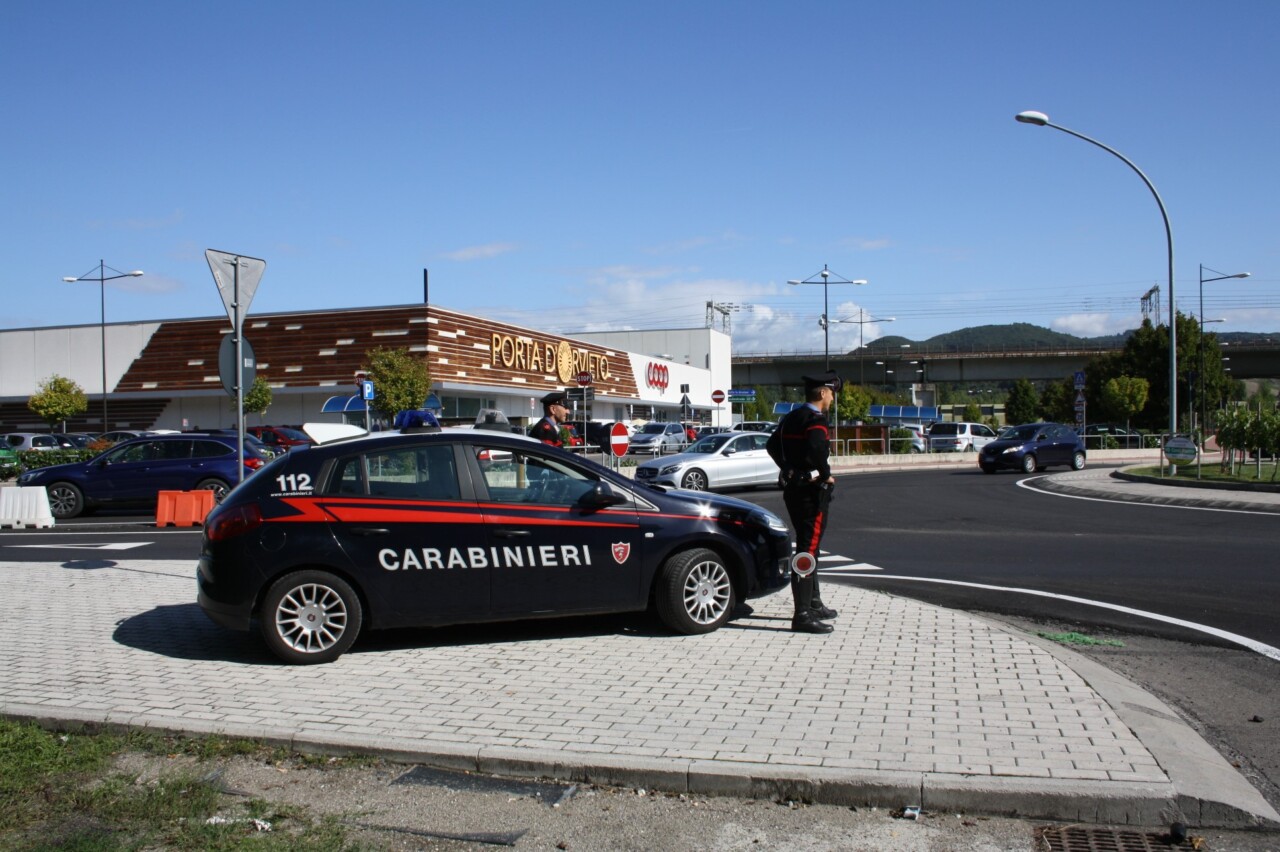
1041, 120
102, 279
826, 326
862, 320
1203, 411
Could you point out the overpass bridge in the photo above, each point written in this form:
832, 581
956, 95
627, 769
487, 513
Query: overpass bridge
903, 366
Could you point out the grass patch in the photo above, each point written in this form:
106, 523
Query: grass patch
1073, 638
1247, 473
62, 791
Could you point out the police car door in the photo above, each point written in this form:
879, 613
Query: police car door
553, 549
416, 543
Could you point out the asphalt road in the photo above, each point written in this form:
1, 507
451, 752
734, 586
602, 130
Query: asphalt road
1214, 569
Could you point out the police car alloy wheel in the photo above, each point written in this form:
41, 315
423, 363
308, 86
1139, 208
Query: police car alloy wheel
694, 480
694, 593
310, 617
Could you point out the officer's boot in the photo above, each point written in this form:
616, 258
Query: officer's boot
804, 620
820, 609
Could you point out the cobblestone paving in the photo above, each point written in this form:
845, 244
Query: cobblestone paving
900, 686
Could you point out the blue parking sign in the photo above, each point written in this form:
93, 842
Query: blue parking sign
366, 390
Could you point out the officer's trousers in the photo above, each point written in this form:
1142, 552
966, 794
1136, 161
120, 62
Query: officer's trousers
807, 506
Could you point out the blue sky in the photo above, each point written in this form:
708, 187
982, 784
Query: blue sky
585, 165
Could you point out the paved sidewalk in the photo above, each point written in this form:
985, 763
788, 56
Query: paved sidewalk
1184, 490
906, 704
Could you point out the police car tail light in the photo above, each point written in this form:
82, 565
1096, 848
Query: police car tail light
233, 521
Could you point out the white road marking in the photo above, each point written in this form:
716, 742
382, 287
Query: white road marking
840, 569
1245, 641
117, 545
1022, 483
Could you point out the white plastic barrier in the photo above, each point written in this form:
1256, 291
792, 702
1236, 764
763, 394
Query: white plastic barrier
25, 507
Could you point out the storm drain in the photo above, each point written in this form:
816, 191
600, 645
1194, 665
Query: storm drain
548, 793
1077, 839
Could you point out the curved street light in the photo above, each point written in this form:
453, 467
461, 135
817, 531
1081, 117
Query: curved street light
826, 330
1041, 120
1203, 409
102, 278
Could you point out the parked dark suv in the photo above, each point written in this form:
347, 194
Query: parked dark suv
1032, 447
133, 472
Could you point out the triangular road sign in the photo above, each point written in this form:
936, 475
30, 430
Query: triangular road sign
236, 290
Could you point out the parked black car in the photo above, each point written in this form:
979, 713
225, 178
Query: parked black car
1032, 447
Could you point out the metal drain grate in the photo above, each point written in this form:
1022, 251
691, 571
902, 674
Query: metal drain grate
1077, 839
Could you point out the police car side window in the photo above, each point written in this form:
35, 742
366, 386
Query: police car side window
513, 477
411, 473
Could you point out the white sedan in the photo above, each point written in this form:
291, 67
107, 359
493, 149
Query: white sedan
725, 460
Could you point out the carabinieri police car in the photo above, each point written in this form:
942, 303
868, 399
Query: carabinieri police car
445, 527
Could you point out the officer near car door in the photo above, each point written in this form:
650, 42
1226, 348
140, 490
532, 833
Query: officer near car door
801, 447
547, 430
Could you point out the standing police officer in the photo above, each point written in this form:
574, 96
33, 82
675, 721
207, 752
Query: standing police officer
800, 446
547, 430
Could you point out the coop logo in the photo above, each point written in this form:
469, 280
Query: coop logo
658, 376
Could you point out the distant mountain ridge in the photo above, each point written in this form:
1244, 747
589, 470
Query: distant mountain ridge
1025, 335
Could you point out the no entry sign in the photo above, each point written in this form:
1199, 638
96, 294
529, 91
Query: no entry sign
717, 396
619, 440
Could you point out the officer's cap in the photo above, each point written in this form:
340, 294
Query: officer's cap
829, 379
555, 398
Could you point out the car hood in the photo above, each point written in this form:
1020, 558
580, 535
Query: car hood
694, 500
999, 445
680, 458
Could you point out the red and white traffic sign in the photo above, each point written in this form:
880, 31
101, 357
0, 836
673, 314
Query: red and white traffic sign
584, 379
619, 440
717, 396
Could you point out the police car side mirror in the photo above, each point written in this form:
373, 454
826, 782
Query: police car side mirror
600, 497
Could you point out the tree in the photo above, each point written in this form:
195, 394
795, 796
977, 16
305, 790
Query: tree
58, 399
1124, 396
1057, 403
973, 413
855, 404
258, 398
401, 381
762, 408
1022, 403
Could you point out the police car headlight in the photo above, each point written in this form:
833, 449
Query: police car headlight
669, 469
768, 519
29, 477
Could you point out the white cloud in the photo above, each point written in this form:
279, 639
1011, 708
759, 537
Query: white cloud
480, 252
1094, 324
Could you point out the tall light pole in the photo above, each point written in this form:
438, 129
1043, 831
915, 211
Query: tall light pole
1041, 120
1203, 411
862, 320
102, 279
826, 326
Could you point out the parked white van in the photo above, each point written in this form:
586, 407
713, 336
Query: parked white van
959, 437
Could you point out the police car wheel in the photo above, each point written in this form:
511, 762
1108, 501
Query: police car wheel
695, 593
694, 480
310, 617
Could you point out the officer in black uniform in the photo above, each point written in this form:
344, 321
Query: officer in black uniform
547, 430
801, 446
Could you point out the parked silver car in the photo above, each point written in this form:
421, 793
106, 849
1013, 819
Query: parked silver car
20, 441
658, 438
723, 460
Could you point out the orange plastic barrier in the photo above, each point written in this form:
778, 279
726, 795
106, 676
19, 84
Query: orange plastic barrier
183, 508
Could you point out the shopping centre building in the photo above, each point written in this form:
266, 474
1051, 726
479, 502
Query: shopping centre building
165, 374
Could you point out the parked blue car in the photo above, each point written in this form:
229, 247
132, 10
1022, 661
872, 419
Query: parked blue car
1032, 447
132, 473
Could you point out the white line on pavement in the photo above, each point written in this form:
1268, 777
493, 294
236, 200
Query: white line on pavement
1245, 641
